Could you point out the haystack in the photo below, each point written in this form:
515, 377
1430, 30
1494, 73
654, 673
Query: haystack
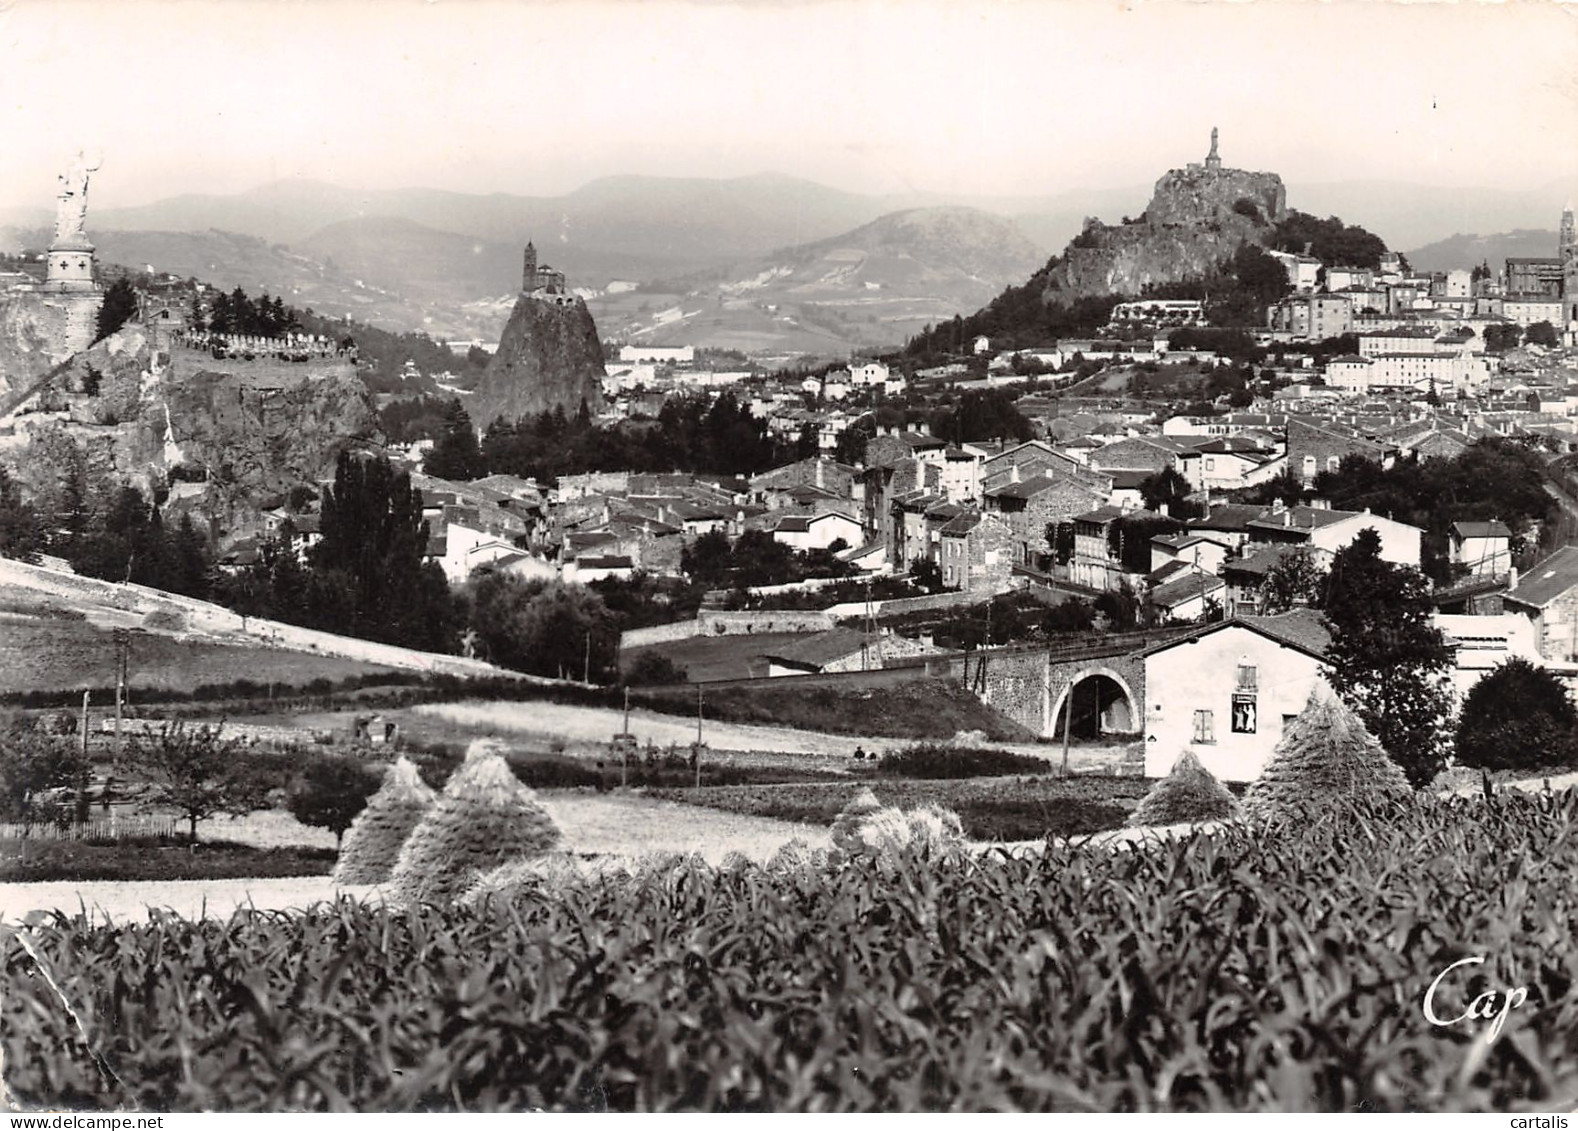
1327, 759
484, 818
373, 842
1190, 793
847, 824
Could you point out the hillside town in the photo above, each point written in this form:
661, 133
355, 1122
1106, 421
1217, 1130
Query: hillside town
780, 693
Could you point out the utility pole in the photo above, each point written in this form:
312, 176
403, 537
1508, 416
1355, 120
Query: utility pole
1068, 723
122, 646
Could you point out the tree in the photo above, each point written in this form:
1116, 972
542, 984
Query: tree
1541, 334
456, 453
1517, 717
1293, 580
1501, 337
120, 304
330, 791
546, 628
926, 573
369, 578
34, 765
21, 536
1168, 488
652, 669
1389, 661
192, 770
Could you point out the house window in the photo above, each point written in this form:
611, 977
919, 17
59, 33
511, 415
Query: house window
1248, 677
1204, 727
1309, 467
1331, 463
1244, 712
1210, 465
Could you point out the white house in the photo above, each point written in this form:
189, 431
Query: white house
818, 531
1484, 547
1482, 644
869, 373
1227, 690
466, 548
1326, 531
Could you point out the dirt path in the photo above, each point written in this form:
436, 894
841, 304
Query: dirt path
596, 725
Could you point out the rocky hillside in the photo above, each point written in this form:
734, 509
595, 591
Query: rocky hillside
549, 357
242, 438
874, 285
1197, 218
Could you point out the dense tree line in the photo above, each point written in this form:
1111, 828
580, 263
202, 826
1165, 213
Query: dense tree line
1331, 241
755, 558
981, 414
366, 576
130, 541
691, 434
239, 313
1494, 479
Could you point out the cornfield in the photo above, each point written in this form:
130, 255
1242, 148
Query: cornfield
1277, 967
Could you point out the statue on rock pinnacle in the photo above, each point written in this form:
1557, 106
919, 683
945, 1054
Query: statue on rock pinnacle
1212, 161
72, 209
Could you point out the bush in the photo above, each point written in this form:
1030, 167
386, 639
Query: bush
331, 790
485, 817
1190, 793
1326, 761
1518, 717
651, 668
373, 843
936, 761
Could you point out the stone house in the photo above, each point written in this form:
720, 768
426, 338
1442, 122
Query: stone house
1548, 596
1029, 506
1317, 445
976, 552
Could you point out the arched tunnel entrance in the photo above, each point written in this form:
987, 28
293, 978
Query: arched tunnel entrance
1101, 705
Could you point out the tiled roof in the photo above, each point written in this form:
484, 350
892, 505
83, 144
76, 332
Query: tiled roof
822, 648
1179, 590
1492, 529
1547, 581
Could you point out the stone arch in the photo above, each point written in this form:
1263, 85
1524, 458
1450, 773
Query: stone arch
1114, 709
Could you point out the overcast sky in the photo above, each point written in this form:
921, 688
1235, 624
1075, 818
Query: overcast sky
970, 96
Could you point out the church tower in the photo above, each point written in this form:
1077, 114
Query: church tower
1567, 248
529, 272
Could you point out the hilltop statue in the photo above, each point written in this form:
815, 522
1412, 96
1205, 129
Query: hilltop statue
1212, 161
72, 209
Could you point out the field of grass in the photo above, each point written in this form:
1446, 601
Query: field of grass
60, 654
925, 708
991, 809
30, 860
715, 657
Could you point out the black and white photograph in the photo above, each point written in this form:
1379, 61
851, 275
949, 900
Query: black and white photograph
788, 556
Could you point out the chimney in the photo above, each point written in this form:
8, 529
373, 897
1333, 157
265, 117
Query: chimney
1162, 509
1013, 474
821, 471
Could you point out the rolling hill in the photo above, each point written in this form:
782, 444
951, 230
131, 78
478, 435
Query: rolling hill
872, 286
1471, 250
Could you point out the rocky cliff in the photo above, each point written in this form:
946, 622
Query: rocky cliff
1197, 217
148, 417
548, 357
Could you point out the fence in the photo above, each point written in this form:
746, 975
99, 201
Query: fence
114, 828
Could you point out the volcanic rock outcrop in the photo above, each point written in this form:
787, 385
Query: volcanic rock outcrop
1198, 217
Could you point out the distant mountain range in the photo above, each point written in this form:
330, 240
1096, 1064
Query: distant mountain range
873, 286
447, 261
1471, 251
